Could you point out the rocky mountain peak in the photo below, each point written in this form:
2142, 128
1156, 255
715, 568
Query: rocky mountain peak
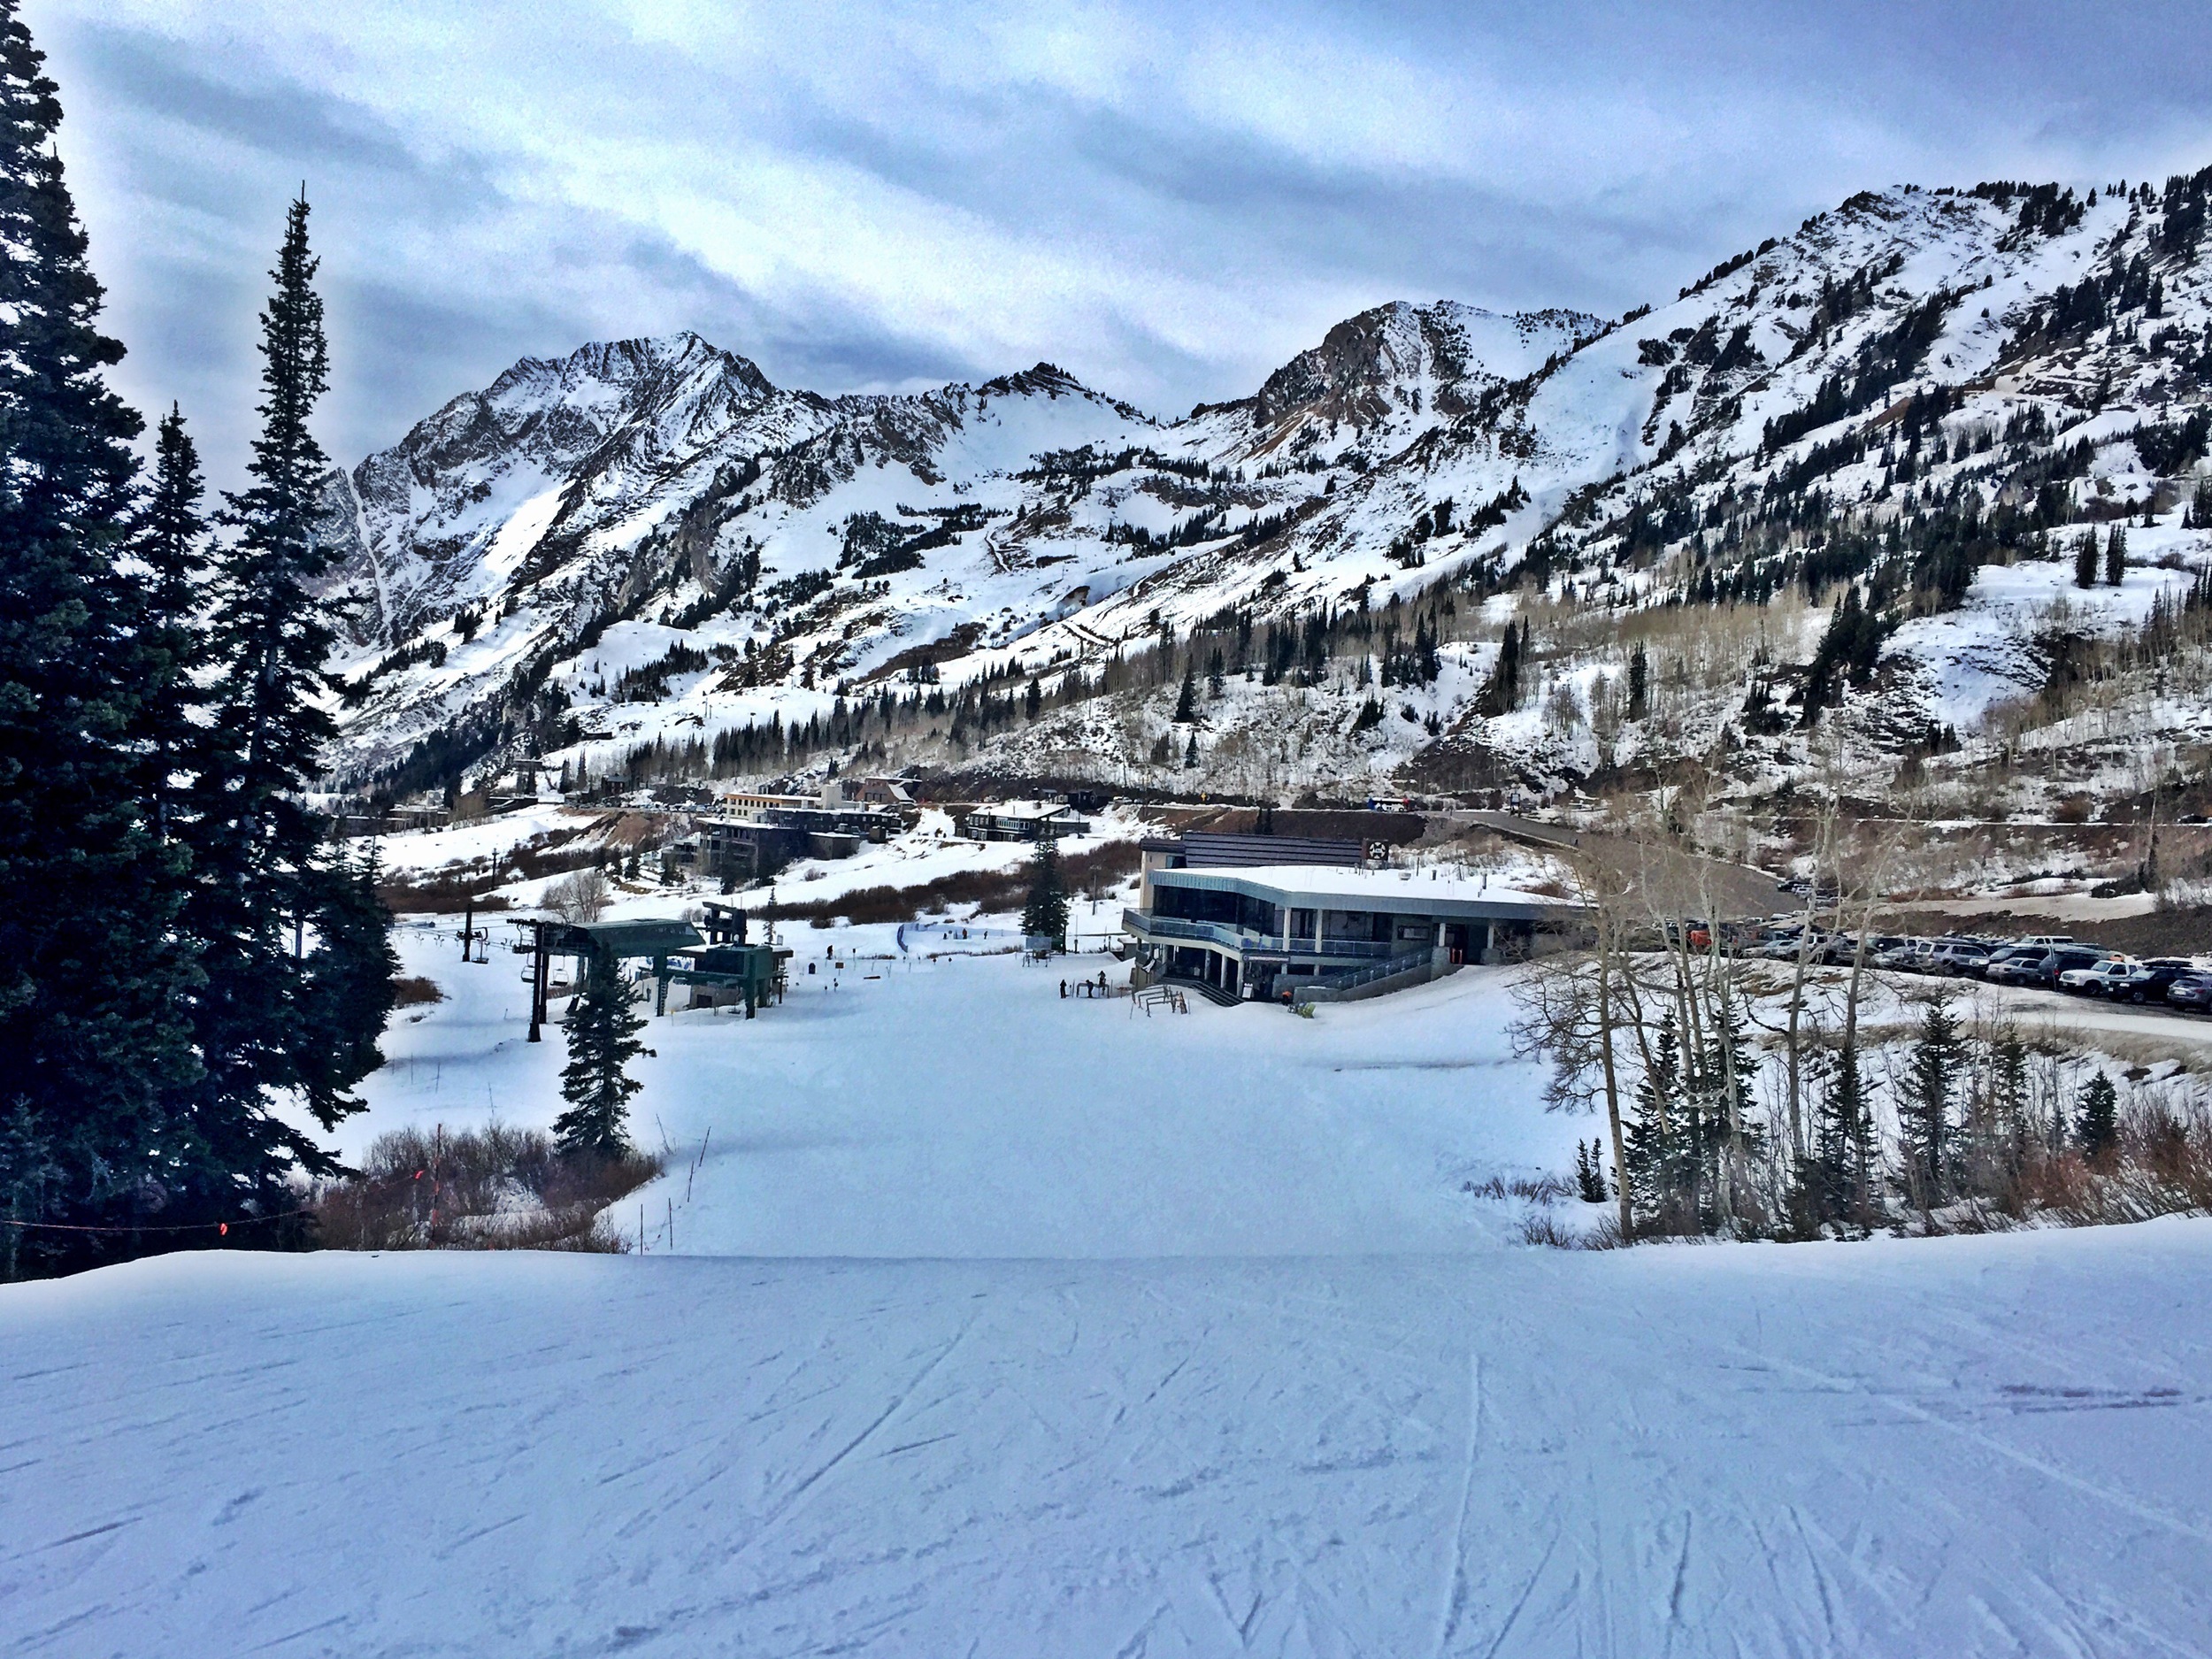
1374, 368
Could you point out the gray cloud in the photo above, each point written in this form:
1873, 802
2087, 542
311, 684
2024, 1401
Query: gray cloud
1166, 201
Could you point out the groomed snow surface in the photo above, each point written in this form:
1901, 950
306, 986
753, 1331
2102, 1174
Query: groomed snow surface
1006, 1326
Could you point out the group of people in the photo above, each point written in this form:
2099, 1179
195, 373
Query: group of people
1085, 988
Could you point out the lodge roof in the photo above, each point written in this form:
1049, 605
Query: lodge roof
1419, 891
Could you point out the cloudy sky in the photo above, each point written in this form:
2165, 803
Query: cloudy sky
1167, 199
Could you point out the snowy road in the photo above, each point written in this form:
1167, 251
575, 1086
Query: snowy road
1962, 1447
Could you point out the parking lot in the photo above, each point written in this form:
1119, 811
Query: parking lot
2054, 973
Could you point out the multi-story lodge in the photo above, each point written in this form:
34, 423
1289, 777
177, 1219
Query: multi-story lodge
1315, 917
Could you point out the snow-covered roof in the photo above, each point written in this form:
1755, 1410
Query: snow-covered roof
1435, 890
1028, 810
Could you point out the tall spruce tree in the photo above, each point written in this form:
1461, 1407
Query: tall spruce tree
1926, 1109
91, 973
602, 1029
264, 887
2008, 1099
171, 644
1502, 691
2085, 560
2098, 1126
1717, 1090
1187, 702
1661, 1176
347, 991
1045, 911
1843, 1146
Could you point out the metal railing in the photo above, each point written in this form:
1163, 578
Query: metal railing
1174, 927
1239, 939
1352, 978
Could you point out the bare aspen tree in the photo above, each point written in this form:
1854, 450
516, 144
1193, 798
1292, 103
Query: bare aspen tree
1601, 885
1680, 882
1826, 826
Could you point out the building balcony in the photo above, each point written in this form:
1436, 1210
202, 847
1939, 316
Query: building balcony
1247, 943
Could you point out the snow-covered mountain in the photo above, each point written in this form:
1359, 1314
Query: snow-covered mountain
648, 539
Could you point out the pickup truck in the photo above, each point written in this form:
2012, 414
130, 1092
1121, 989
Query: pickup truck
2100, 978
2041, 967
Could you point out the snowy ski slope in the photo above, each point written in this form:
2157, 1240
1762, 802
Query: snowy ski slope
1002, 1324
1973, 1446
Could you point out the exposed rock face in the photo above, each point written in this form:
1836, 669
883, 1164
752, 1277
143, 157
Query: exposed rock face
1376, 368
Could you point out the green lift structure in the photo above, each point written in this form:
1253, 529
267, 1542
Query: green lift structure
719, 962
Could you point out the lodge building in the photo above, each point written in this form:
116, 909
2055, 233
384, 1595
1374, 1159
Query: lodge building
1327, 925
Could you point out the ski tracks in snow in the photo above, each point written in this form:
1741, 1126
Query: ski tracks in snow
1455, 1571
1750, 1450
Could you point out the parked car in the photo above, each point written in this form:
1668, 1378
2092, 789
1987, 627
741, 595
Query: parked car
1958, 958
2067, 959
2152, 979
1994, 966
1828, 891
1910, 955
1844, 947
2192, 991
2043, 968
2098, 979
2047, 940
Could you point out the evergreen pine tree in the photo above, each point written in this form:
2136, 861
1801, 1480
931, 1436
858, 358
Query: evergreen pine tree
2097, 1125
171, 643
1428, 661
1590, 1172
1932, 1081
2085, 560
1850, 647
1045, 911
1661, 1166
1501, 692
1186, 704
263, 876
346, 992
1843, 1144
1190, 753
1707, 1085
90, 973
1639, 683
2115, 556
2008, 1098
602, 1029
